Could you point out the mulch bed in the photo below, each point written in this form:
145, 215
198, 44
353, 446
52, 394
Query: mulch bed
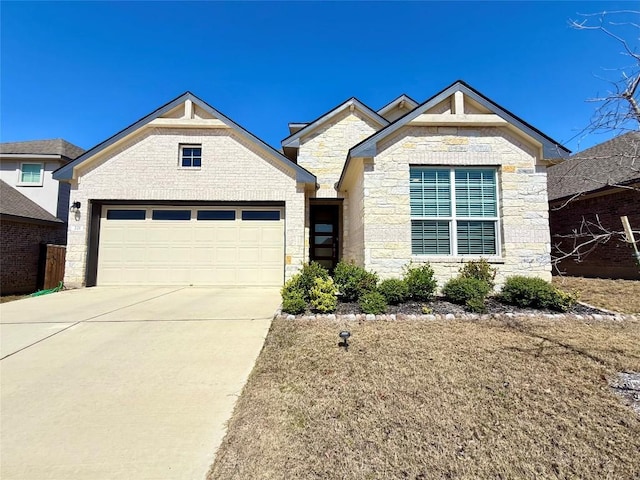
439, 306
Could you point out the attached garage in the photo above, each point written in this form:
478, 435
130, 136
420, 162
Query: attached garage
185, 196
191, 245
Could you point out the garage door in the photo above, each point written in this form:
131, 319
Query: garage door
191, 246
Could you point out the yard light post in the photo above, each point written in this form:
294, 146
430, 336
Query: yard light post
344, 335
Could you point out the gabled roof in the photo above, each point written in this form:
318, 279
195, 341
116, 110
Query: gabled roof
397, 101
16, 206
56, 146
66, 172
368, 147
611, 163
293, 140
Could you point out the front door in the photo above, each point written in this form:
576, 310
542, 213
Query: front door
324, 241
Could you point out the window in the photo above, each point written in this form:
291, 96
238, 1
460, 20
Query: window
453, 211
260, 215
191, 155
216, 215
171, 215
31, 174
126, 214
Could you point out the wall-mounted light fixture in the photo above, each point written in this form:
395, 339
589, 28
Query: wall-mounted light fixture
75, 208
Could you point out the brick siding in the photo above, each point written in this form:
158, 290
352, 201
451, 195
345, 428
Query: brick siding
614, 259
20, 252
146, 168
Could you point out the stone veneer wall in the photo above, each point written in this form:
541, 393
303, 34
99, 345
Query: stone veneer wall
324, 151
522, 192
354, 217
146, 168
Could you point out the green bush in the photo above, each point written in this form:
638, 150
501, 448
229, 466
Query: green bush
308, 275
395, 291
353, 281
480, 269
294, 302
535, 293
467, 291
323, 296
293, 296
420, 282
373, 302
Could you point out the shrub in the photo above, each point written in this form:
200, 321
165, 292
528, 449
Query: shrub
373, 302
467, 291
479, 269
353, 281
308, 275
461, 289
323, 296
395, 291
293, 296
536, 293
420, 282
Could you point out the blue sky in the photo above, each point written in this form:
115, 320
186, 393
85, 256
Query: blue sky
84, 70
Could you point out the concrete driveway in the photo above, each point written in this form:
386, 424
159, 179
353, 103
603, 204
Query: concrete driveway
106, 383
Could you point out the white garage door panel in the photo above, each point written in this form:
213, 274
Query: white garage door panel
190, 252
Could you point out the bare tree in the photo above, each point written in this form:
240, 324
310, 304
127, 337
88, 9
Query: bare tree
619, 107
617, 112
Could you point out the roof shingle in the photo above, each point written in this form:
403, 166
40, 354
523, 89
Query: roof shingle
55, 146
611, 163
14, 203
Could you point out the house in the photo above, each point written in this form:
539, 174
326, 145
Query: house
33, 208
588, 193
24, 226
28, 167
187, 196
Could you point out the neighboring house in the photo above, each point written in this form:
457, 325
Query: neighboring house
28, 167
597, 186
187, 196
24, 226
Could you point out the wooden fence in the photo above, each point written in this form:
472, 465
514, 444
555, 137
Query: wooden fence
52, 259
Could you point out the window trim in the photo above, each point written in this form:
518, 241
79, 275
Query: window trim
181, 148
20, 183
453, 218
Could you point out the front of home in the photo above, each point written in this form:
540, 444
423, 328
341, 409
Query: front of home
185, 196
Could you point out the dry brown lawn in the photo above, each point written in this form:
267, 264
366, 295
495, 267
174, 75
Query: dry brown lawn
618, 295
11, 298
517, 399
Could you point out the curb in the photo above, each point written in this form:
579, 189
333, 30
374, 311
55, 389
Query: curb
617, 317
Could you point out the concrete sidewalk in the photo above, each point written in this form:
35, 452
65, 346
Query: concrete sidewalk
108, 383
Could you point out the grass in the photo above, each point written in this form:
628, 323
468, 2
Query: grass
618, 295
419, 400
11, 298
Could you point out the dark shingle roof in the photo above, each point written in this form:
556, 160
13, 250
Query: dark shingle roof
55, 146
614, 162
13, 203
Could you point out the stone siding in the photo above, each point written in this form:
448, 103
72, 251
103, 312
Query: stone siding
354, 217
147, 168
20, 253
613, 259
323, 151
521, 189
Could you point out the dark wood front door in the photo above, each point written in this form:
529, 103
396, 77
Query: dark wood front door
325, 237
